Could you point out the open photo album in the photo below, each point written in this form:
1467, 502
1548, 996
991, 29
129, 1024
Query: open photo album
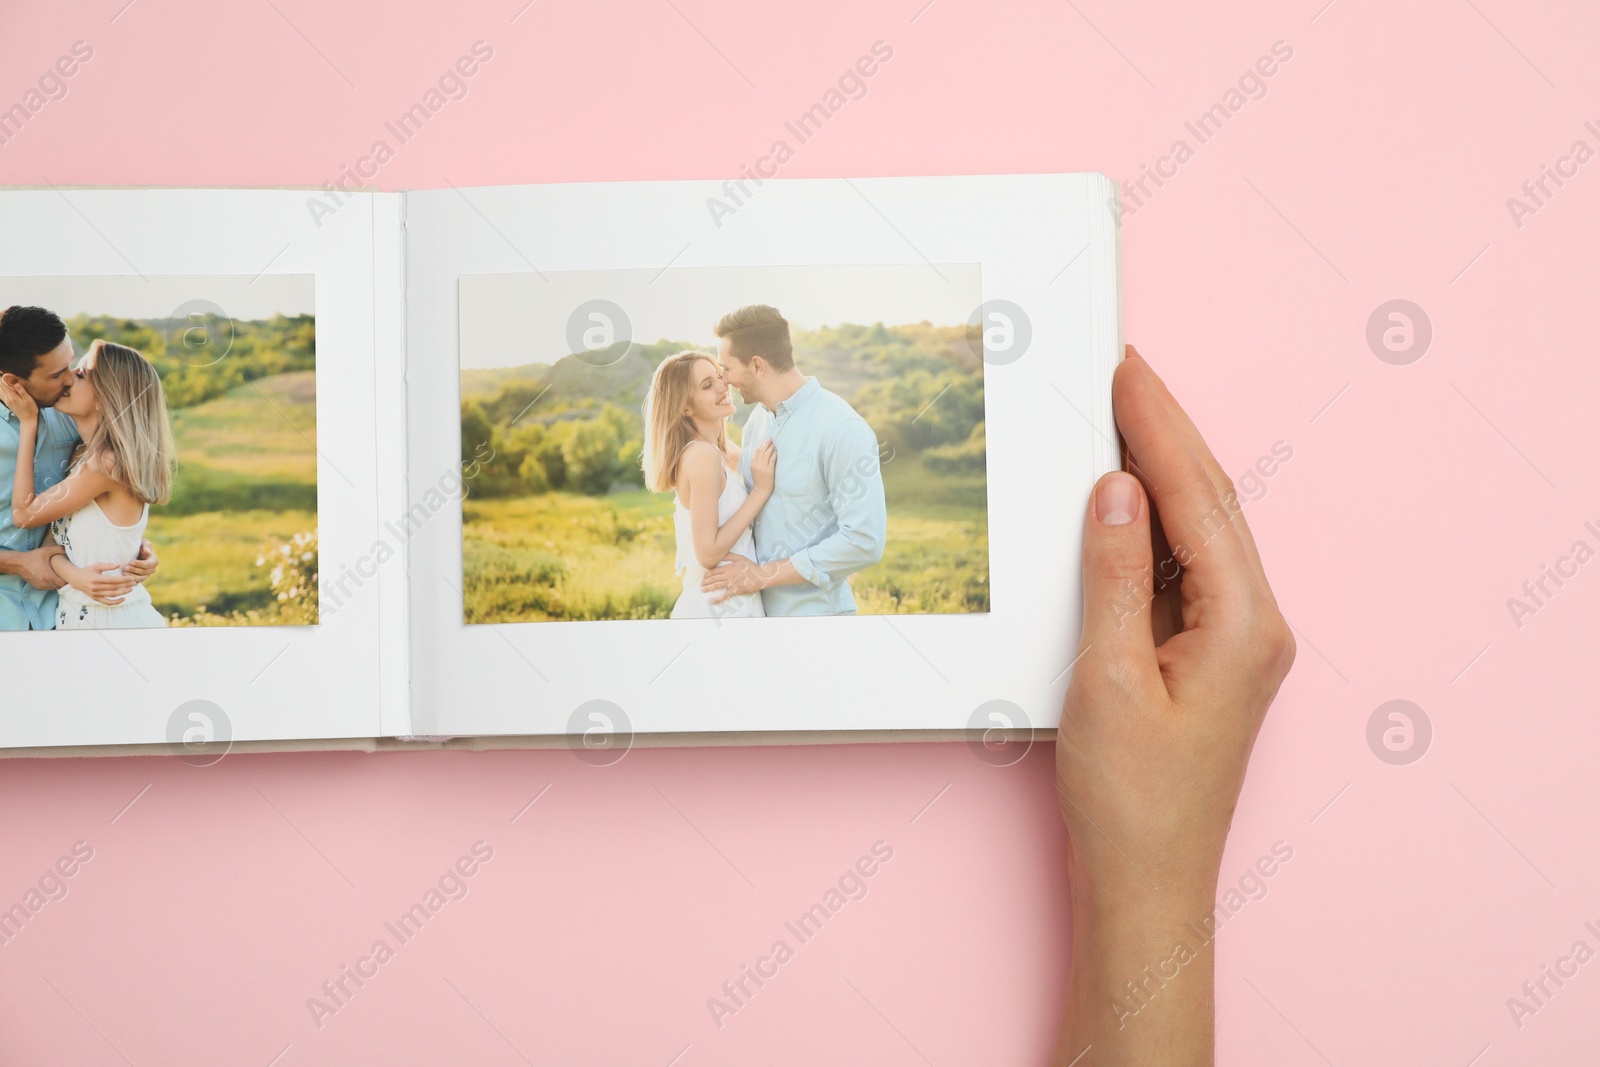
729, 460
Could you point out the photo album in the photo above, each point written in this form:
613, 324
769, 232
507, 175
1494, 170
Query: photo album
683, 461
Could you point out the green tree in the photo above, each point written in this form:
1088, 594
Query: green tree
592, 450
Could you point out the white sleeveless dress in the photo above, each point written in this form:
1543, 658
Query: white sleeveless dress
90, 537
692, 603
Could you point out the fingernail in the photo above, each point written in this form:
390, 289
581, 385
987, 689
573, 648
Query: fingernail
1116, 500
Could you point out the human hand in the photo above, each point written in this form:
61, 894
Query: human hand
1182, 652
764, 467
35, 567
93, 582
16, 397
735, 575
144, 564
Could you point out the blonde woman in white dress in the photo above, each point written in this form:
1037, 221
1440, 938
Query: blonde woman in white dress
99, 510
687, 453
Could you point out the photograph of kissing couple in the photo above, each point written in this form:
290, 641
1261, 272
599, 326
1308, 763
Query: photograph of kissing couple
125, 444
798, 441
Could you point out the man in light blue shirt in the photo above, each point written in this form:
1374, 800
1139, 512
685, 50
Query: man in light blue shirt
36, 353
826, 519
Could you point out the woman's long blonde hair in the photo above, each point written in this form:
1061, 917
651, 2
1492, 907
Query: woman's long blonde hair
132, 442
667, 426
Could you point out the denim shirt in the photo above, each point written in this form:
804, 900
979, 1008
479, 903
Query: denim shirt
826, 514
23, 607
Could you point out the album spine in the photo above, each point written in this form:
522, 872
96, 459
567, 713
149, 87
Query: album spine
393, 568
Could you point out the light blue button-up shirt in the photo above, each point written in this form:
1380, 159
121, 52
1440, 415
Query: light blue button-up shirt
22, 606
826, 514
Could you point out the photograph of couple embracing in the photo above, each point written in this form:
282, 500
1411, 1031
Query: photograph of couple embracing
158, 453
759, 532
85, 449
723, 442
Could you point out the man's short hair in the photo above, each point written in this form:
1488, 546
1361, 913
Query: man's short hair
758, 330
26, 333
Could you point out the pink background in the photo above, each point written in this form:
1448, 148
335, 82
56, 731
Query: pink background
1377, 167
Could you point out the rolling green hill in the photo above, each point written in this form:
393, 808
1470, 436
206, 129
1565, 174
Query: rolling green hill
247, 475
253, 447
844, 358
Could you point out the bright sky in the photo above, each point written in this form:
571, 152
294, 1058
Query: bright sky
132, 297
512, 319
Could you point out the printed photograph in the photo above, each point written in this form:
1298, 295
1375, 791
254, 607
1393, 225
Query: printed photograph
158, 458
723, 442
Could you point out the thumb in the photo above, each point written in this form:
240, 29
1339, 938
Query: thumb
1118, 574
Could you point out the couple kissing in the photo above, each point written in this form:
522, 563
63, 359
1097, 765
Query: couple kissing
84, 451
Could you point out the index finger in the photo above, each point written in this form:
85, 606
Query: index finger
1219, 478
1198, 526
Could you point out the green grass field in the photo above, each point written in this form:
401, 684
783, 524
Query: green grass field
247, 476
565, 556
